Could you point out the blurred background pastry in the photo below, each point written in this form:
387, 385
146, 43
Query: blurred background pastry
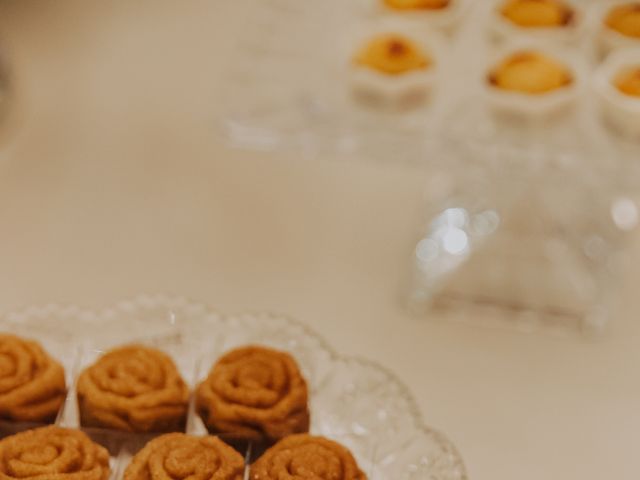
532, 82
617, 84
549, 20
392, 70
618, 24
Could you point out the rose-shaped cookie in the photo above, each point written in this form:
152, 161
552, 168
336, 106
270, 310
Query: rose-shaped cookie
134, 389
177, 456
52, 453
32, 384
254, 394
304, 456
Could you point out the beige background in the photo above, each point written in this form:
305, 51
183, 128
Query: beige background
112, 183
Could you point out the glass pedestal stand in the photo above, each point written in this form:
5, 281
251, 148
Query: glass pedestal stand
524, 240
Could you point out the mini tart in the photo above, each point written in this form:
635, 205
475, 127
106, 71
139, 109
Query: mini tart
442, 14
548, 20
392, 70
530, 82
617, 84
531, 73
417, 4
628, 82
537, 13
624, 19
392, 54
619, 25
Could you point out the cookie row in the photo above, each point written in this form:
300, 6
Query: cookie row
60, 453
251, 394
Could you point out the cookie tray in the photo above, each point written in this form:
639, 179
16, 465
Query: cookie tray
355, 402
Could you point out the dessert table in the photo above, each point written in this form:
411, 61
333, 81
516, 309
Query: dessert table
113, 182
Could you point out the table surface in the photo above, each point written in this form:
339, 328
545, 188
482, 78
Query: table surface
113, 183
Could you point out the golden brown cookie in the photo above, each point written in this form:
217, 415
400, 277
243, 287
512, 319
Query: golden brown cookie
52, 453
625, 19
628, 82
134, 389
392, 54
306, 457
417, 4
177, 456
530, 72
32, 384
537, 13
254, 394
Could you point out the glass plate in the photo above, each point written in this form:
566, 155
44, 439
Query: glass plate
353, 401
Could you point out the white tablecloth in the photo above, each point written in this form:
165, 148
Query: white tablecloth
112, 183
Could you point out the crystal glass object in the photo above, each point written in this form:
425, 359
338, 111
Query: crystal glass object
521, 238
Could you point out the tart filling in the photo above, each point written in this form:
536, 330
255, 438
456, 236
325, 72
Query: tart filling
537, 13
625, 19
392, 54
417, 4
530, 72
628, 82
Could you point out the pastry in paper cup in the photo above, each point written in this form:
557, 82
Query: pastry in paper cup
393, 66
617, 85
618, 24
428, 13
532, 81
546, 20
